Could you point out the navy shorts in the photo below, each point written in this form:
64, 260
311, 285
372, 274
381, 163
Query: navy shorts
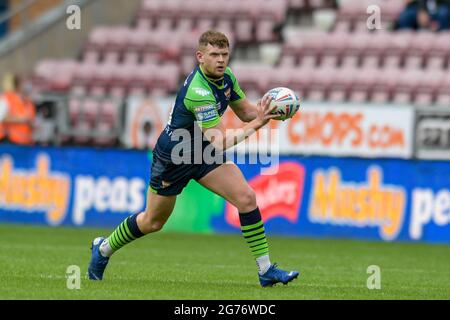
169, 179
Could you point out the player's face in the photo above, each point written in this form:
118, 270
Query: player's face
214, 60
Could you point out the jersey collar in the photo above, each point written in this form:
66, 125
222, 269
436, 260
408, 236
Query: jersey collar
219, 83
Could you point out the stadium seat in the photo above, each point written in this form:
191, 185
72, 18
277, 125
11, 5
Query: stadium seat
110, 109
443, 99
435, 61
364, 81
246, 75
350, 63
320, 83
300, 80
84, 74
342, 26
103, 135
204, 23
165, 78
418, 48
443, 91
297, 4
317, 4
341, 84
405, 89
397, 48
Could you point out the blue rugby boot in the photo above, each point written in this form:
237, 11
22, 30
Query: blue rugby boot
98, 262
275, 275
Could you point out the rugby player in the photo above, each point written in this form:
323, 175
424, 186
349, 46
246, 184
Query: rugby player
199, 105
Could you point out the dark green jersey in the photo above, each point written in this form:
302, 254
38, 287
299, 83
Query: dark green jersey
200, 101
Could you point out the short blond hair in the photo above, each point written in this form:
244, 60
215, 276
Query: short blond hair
214, 38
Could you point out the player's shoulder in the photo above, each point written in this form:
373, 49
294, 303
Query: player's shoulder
199, 90
230, 73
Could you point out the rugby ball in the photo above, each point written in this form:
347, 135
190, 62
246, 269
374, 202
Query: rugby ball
286, 101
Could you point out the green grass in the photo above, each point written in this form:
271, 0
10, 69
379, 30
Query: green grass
33, 263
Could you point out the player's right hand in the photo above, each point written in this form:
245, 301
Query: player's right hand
264, 110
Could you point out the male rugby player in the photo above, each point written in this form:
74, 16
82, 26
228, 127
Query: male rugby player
199, 105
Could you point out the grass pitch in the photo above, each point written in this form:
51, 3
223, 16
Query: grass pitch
170, 266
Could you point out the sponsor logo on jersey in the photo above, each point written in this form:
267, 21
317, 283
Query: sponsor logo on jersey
205, 113
201, 91
165, 184
228, 93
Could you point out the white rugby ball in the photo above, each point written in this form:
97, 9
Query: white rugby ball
286, 101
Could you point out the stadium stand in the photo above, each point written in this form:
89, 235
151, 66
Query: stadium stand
349, 61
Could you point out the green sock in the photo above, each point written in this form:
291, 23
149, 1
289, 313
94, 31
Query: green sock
252, 228
126, 232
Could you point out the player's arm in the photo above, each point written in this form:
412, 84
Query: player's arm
222, 139
244, 109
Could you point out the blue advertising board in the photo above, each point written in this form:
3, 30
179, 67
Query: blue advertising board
377, 199
71, 186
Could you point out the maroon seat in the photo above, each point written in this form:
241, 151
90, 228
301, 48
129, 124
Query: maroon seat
376, 47
81, 134
246, 75
404, 90
297, 4
443, 91
109, 112
104, 136
342, 82
96, 44
90, 110
276, 77
342, 26
364, 81
387, 80
317, 4
398, 45
121, 78
101, 79
443, 98
301, 80
419, 47
116, 44
269, 14
334, 47
54, 75
84, 74
165, 78
354, 49
243, 15
320, 83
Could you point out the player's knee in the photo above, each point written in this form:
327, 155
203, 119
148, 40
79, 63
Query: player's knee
150, 225
246, 201
153, 226
156, 226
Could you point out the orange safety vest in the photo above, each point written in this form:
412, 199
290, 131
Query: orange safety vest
2, 125
20, 133
2, 130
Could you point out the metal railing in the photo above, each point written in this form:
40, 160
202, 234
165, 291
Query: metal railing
20, 10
